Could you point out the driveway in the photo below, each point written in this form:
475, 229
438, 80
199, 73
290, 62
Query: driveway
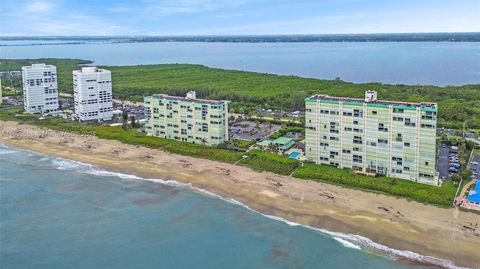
442, 165
476, 168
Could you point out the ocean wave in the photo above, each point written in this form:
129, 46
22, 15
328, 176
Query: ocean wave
64, 164
346, 243
171, 183
347, 240
6, 151
99, 172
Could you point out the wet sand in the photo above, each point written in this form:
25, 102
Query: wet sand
394, 222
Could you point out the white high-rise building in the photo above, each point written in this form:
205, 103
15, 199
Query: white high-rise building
92, 88
40, 90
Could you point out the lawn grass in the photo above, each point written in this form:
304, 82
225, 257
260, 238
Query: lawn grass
440, 196
245, 144
285, 130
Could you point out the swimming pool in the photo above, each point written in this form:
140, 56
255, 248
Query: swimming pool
294, 155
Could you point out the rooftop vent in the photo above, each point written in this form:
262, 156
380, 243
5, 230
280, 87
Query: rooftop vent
370, 96
89, 69
191, 95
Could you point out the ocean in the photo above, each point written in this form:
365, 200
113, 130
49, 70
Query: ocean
426, 63
57, 213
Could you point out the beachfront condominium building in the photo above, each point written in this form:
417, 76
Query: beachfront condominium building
187, 118
40, 90
396, 139
92, 90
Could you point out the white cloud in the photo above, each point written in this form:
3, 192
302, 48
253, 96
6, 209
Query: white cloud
189, 6
39, 6
315, 25
118, 9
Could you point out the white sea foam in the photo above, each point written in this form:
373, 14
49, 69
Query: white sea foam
64, 164
346, 243
172, 183
347, 240
6, 151
99, 172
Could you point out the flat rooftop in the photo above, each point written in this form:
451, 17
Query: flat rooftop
181, 98
379, 102
90, 70
38, 65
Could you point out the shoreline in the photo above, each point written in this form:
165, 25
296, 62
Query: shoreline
385, 220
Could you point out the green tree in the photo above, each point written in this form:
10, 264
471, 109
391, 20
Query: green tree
133, 123
124, 119
466, 174
456, 178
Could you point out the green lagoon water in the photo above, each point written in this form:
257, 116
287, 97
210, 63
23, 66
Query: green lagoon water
56, 213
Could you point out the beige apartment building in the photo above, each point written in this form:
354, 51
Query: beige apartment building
188, 119
396, 139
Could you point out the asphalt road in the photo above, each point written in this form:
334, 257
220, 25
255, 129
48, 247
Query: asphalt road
442, 165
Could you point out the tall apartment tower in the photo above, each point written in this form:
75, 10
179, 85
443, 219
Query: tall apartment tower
395, 139
92, 89
40, 90
188, 119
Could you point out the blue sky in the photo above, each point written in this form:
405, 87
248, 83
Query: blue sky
235, 17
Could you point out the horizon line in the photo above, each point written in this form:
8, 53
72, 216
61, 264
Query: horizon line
239, 35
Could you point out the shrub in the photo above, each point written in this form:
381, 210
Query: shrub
423, 193
264, 161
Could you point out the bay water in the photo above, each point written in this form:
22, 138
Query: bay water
425, 63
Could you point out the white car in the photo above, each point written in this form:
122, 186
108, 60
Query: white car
474, 163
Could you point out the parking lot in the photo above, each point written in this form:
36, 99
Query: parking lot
250, 130
448, 163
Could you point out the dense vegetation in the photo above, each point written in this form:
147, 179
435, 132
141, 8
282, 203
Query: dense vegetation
441, 196
270, 162
285, 130
249, 90
64, 69
126, 136
245, 144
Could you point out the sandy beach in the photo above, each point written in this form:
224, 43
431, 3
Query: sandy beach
394, 222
